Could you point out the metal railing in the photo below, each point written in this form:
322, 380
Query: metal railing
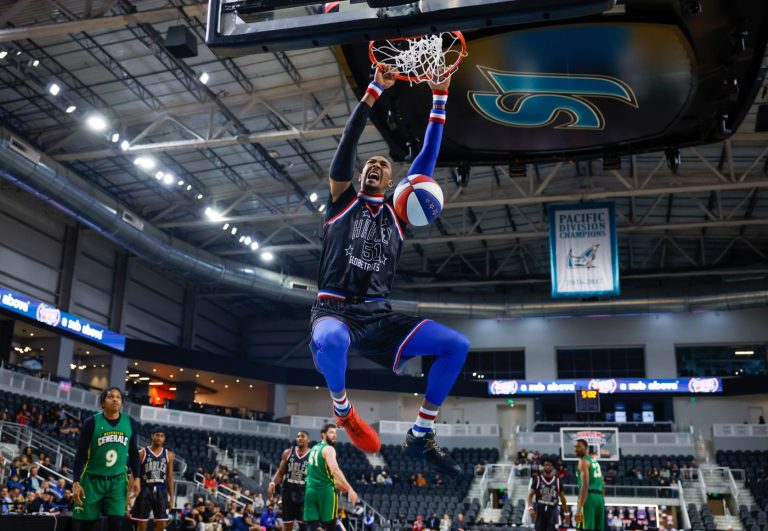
24, 436
223, 493
627, 491
249, 463
734, 492
683, 506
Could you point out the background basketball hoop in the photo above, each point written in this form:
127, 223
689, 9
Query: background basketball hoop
422, 58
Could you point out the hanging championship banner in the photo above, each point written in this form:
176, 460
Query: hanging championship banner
583, 249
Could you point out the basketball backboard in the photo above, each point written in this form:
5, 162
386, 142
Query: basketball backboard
603, 443
238, 27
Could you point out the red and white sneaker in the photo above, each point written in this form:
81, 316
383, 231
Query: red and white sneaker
361, 435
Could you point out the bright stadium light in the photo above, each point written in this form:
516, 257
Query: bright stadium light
313, 197
115, 137
204, 77
96, 122
145, 163
168, 179
70, 109
124, 145
254, 246
54, 89
267, 256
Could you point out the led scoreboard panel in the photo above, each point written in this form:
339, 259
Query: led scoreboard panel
587, 401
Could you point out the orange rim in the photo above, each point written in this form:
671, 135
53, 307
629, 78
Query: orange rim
418, 79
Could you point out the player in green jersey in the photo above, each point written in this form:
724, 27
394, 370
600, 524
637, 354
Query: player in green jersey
590, 509
321, 502
106, 451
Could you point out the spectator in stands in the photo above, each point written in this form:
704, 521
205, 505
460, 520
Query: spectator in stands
22, 415
395, 478
459, 524
5, 501
479, 469
244, 521
761, 420
418, 524
445, 523
437, 480
269, 518
258, 502
65, 471
33, 481
421, 481
15, 483
209, 482
371, 479
380, 477
369, 522
433, 522
216, 521
43, 504
65, 503
59, 488
4, 415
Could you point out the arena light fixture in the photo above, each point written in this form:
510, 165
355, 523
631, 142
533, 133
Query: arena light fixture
181, 182
189, 187
144, 378
3, 54
54, 89
70, 109
124, 145
159, 175
242, 239
155, 383
115, 137
145, 163
96, 122
199, 196
745, 352
233, 231
204, 77
171, 388
225, 227
168, 179
321, 209
36, 63
247, 240
212, 214
313, 197
267, 256
254, 246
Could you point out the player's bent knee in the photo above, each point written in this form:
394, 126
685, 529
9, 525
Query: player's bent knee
330, 336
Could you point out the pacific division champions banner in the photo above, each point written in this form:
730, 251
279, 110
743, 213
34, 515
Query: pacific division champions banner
583, 248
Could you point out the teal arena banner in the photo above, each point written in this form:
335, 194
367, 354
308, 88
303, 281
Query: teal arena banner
583, 250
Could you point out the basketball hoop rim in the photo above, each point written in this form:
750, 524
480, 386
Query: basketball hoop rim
419, 79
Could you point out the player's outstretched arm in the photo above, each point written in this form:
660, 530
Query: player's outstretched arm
170, 486
343, 163
278, 477
81, 459
329, 453
424, 163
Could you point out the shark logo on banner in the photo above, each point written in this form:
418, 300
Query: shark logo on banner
584, 253
541, 98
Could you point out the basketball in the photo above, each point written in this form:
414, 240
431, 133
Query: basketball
418, 200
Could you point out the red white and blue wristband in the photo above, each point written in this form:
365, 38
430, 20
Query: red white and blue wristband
374, 89
439, 97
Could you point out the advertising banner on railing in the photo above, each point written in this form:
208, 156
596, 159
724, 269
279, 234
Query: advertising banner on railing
583, 250
49, 315
606, 386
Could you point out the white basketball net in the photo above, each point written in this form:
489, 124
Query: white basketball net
426, 58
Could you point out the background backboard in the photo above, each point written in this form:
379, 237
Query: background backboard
603, 443
237, 27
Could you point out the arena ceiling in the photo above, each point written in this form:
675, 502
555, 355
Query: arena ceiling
250, 146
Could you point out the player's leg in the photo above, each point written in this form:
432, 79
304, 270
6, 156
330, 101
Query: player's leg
449, 348
85, 515
115, 501
329, 507
160, 508
329, 345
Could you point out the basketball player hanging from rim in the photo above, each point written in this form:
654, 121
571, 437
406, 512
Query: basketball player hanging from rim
545, 492
156, 494
357, 268
291, 475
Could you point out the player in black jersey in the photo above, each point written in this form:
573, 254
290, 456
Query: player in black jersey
291, 475
545, 492
156, 494
363, 237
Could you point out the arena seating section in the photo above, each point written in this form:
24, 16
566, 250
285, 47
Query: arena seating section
755, 466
